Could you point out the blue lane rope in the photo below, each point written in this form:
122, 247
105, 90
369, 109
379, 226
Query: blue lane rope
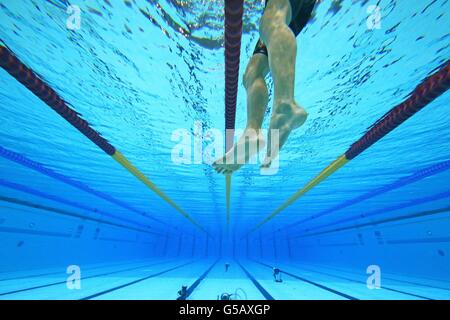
415, 202
41, 194
36, 166
25, 203
416, 176
372, 223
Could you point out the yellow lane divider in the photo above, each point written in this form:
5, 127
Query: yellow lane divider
328, 171
120, 158
228, 195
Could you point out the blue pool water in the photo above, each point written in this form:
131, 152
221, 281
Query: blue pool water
138, 71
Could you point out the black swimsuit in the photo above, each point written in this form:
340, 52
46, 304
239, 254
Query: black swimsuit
301, 13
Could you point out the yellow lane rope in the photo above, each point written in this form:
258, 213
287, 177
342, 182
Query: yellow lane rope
428, 90
228, 194
333, 167
43, 91
120, 158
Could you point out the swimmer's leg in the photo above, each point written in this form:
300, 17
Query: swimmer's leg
257, 99
287, 115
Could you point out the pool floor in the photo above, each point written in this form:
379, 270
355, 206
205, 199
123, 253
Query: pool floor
206, 279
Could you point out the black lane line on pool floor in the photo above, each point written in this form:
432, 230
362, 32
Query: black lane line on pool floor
90, 277
393, 279
352, 280
312, 282
134, 282
200, 279
36, 275
257, 284
357, 281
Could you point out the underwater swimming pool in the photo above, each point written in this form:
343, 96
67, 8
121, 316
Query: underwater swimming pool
83, 220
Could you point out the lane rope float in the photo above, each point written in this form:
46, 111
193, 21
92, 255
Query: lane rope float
234, 10
10, 63
402, 182
428, 90
43, 169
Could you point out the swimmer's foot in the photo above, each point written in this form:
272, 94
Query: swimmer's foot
250, 144
287, 116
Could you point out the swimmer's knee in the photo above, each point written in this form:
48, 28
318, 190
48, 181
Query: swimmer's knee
273, 19
269, 27
257, 69
266, 25
249, 75
254, 71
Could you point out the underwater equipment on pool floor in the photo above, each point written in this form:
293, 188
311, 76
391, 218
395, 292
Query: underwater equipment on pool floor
277, 275
233, 296
182, 293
